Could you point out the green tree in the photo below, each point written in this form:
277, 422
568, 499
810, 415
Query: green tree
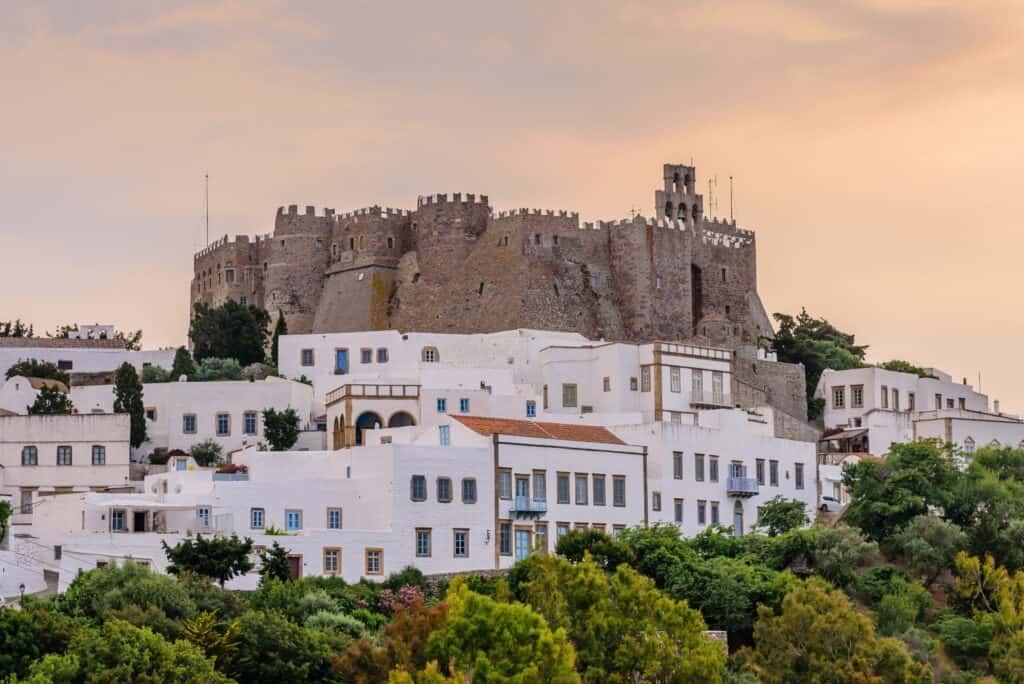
38, 369
404, 644
780, 515
499, 642
31, 633
229, 331
154, 374
213, 368
818, 636
218, 640
605, 551
280, 328
16, 328
5, 515
51, 401
839, 552
128, 399
103, 593
273, 650
207, 453
219, 558
182, 364
281, 428
901, 366
818, 345
274, 565
928, 545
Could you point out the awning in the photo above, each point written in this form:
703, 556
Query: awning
137, 503
845, 434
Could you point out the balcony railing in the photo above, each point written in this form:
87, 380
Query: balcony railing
710, 399
741, 486
525, 507
373, 390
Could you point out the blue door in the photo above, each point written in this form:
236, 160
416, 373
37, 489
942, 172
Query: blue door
341, 360
522, 544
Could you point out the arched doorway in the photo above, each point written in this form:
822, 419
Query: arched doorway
737, 519
367, 420
401, 419
338, 441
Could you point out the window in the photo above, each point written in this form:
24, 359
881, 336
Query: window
332, 561
382, 355
619, 490
599, 490
249, 423
677, 507
460, 546
464, 405
702, 512
334, 518
677, 465
150, 413
895, 399
366, 356
468, 490
760, 471
969, 445
561, 529
798, 475
606, 384
773, 473
696, 386
949, 402
713, 468
563, 488
632, 385
938, 401
65, 365
569, 399
99, 455
418, 488
430, 355
29, 456
442, 405
117, 521
857, 396
444, 489
675, 382
655, 501
911, 401
540, 485
698, 467
444, 433
885, 397
203, 515
223, 424
256, 518
293, 520
423, 540
180, 464
581, 489
531, 409
374, 561
645, 379
229, 276
962, 402
504, 484
839, 397
540, 536
26, 501
63, 455
188, 423
714, 512
505, 538
340, 361
306, 357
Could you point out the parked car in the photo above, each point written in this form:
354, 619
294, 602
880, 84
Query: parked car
829, 504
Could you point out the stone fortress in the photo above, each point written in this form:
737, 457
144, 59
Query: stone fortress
455, 265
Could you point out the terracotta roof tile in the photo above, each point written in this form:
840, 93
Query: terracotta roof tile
58, 343
540, 430
40, 383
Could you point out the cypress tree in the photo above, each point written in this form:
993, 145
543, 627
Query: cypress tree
128, 399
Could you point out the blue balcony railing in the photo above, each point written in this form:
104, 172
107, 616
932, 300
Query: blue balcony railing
741, 486
524, 506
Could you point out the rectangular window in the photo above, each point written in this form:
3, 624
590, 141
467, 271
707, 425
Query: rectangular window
569, 398
418, 488
606, 384
150, 414
617, 530
374, 561
63, 455
677, 506
702, 512
293, 520
645, 379
505, 538
26, 501
540, 485
839, 397
223, 424
249, 423
717, 390
760, 471
698, 467
531, 409
857, 396
29, 456
696, 386
256, 518
468, 490
203, 515
655, 501
563, 488
332, 561
442, 405
334, 518
65, 365
798, 475
229, 276
423, 535
773, 473
306, 357
99, 455
464, 405
188, 423
504, 484
677, 465
619, 490
382, 355
581, 489
340, 361
963, 402
895, 399
366, 356
444, 434
461, 544
885, 397
561, 529
713, 468
540, 537
949, 402
243, 300
444, 489
714, 512
675, 382
599, 490
117, 521
911, 401
632, 384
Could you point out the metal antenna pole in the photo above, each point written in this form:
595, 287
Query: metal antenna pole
730, 199
207, 213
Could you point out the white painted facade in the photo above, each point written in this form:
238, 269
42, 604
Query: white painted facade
18, 392
79, 356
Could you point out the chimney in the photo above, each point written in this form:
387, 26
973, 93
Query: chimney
995, 406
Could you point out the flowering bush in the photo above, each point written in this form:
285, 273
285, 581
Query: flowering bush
406, 596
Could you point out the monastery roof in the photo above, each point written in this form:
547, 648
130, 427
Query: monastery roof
540, 430
40, 383
58, 343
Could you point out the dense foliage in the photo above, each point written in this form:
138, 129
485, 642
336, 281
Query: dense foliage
209, 452
128, 399
229, 331
219, 558
16, 328
901, 366
38, 369
281, 428
183, 364
280, 328
51, 401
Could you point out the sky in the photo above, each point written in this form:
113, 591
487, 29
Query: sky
875, 146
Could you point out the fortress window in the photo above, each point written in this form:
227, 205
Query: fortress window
682, 212
555, 238
536, 238
229, 276
668, 209
264, 266
480, 291
728, 309
282, 244
430, 355
307, 357
391, 243
657, 282
362, 242
334, 250
351, 243
723, 275
675, 181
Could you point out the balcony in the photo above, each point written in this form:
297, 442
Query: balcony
373, 391
525, 507
741, 486
711, 399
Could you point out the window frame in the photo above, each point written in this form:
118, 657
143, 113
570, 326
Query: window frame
34, 451
560, 478
413, 479
252, 518
570, 392
504, 478
618, 482
101, 451
255, 422
184, 423
581, 478
65, 450
675, 380
465, 542
599, 478
287, 524
336, 550
426, 533
531, 408
338, 510
677, 465
438, 486
216, 424
472, 499
773, 473
302, 358
379, 553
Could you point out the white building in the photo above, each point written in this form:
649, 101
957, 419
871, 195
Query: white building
17, 393
79, 355
180, 414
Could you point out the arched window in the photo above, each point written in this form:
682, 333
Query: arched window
366, 421
682, 212
362, 242
430, 355
391, 243
401, 419
675, 181
351, 243
696, 212
737, 518
969, 445
668, 209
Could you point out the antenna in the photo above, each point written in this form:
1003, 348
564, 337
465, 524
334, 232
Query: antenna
730, 198
207, 212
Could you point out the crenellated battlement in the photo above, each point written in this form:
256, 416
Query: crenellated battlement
560, 213
717, 239
293, 210
457, 198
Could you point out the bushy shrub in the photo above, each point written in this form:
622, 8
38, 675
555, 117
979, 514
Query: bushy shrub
213, 368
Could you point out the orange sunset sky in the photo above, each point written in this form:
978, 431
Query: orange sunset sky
876, 146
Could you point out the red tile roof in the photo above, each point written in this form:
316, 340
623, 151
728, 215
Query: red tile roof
58, 343
529, 428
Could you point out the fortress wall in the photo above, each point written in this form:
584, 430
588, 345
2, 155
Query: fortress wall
296, 261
